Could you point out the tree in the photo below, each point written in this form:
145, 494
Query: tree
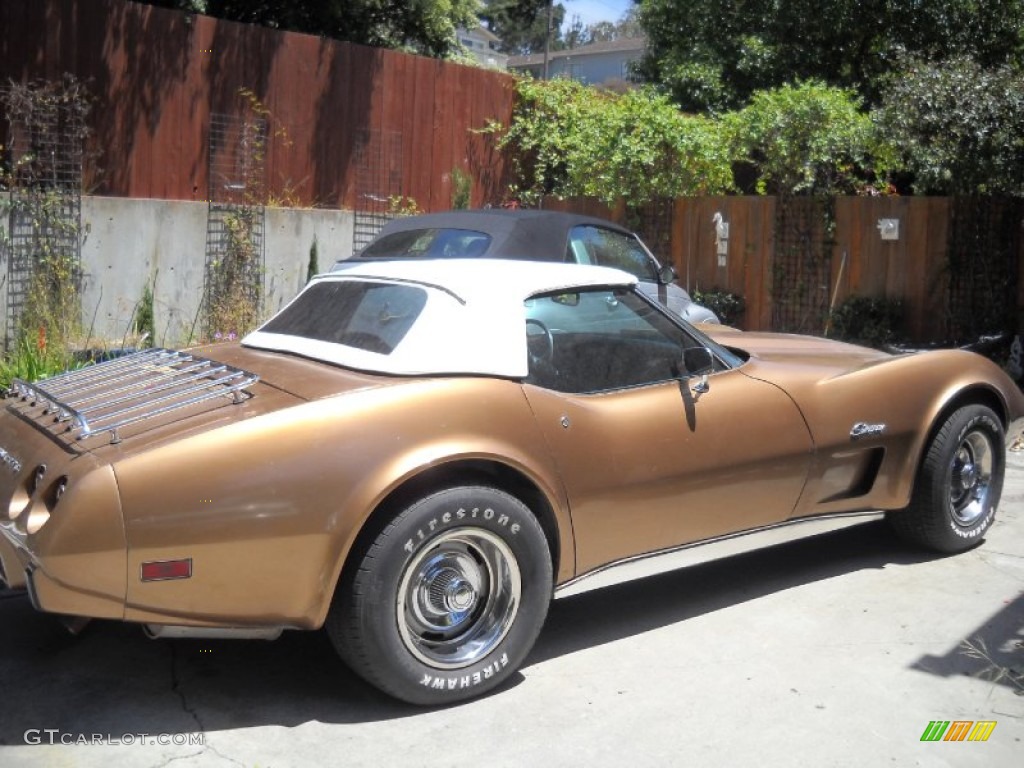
522, 25
424, 26
576, 35
629, 25
602, 31
713, 54
806, 138
959, 127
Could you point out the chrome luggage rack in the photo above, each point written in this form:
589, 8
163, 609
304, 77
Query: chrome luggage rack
108, 396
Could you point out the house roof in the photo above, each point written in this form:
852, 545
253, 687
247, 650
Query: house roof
480, 32
622, 45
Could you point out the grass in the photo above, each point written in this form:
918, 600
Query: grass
33, 358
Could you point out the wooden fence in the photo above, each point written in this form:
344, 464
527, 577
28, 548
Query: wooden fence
157, 76
944, 298
339, 113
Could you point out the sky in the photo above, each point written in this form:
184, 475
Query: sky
591, 11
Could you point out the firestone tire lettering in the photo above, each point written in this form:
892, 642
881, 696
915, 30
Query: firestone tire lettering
459, 515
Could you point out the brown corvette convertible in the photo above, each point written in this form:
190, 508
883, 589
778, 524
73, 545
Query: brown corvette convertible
418, 455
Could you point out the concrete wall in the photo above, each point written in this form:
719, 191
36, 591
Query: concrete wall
128, 242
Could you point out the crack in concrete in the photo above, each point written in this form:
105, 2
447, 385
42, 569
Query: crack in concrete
170, 760
178, 688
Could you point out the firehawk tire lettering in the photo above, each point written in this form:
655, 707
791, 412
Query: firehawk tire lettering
446, 601
958, 484
465, 681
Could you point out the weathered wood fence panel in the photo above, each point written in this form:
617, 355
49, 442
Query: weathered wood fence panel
912, 267
157, 75
746, 267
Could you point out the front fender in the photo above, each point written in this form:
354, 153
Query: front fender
908, 397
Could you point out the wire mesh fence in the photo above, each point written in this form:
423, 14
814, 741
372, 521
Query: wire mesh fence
983, 254
234, 267
378, 173
802, 267
45, 131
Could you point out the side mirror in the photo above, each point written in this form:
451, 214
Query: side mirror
667, 274
698, 361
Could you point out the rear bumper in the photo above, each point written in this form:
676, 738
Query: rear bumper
20, 570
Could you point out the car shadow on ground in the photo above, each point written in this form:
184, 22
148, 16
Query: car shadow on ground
112, 680
616, 612
993, 651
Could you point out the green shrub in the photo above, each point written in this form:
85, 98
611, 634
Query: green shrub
871, 321
728, 306
144, 324
33, 358
567, 139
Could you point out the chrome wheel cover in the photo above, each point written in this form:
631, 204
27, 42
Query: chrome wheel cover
458, 598
971, 477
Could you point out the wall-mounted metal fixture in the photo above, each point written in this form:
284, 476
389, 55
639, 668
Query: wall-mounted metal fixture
889, 229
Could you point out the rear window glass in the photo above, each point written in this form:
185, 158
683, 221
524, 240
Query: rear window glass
370, 316
431, 243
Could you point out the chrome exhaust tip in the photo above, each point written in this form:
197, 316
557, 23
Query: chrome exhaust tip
172, 631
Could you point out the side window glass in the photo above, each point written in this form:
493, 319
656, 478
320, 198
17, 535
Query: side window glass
576, 252
601, 340
607, 248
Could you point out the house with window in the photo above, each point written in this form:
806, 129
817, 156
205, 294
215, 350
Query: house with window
482, 45
593, 64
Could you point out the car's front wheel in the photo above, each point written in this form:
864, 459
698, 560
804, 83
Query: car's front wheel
446, 601
958, 485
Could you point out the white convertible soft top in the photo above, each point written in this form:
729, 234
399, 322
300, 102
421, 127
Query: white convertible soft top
472, 322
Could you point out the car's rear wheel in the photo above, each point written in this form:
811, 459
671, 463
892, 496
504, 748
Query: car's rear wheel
446, 601
958, 485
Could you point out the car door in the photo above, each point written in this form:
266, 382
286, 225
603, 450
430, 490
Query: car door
647, 462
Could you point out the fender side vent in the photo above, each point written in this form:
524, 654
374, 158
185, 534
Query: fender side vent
864, 479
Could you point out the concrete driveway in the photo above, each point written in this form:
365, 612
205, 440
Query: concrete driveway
833, 651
